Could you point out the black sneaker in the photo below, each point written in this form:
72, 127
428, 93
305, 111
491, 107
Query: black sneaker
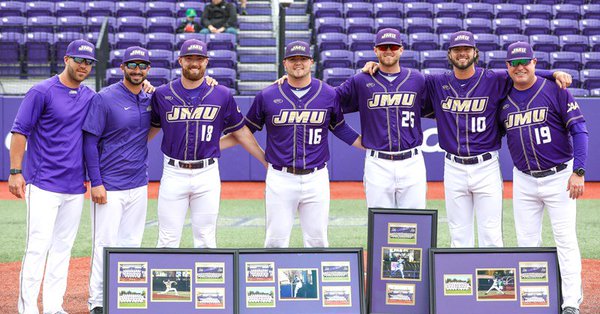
570, 310
97, 310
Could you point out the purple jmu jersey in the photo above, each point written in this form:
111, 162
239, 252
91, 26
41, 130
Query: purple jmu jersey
193, 120
121, 120
51, 116
390, 112
537, 123
297, 128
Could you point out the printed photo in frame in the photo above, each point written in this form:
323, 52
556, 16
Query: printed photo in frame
133, 272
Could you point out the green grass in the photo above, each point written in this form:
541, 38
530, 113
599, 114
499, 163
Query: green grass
241, 225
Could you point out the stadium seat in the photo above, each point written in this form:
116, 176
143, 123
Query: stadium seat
11, 46
69, 8
358, 9
444, 25
222, 41
44, 24
444, 41
38, 53
336, 76
360, 25
93, 38
504, 26
590, 79
595, 92
161, 24
549, 2
418, 9
486, 42
328, 9
574, 74
160, 58
361, 41
332, 41
114, 75
94, 23
99, 8
492, 1
131, 24
566, 11
410, 59
364, 56
479, 11
337, 59
389, 22
182, 6
543, 59
159, 8
299, 8
566, 60
423, 41
575, 43
124, 40
496, 59
538, 11
13, 24
129, 8
535, 27
418, 25
71, 24
590, 27
449, 9
164, 41
12, 8
438, 71
547, 43
39, 8
590, 11
579, 92
434, 59
508, 39
224, 76
508, 11
62, 40
222, 59
389, 9
330, 25
159, 76
564, 27
590, 60
116, 57
594, 42
478, 25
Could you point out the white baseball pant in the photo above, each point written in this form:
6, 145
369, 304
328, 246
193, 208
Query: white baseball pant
287, 194
180, 189
530, 196
474, 190
52, 223
118, 223
395, 183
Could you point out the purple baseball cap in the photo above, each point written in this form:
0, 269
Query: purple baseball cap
388, 36
136, 53
462, 39
193, 47
81, 49
519, 50
297, 48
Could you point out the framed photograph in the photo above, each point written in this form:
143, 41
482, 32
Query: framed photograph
170, 280
398, 260
495, 281
300, 281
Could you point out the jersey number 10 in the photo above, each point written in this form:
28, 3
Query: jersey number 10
477, 124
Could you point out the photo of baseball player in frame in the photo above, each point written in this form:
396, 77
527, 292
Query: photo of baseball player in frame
171, 285
401, 263
491, 268
380, 220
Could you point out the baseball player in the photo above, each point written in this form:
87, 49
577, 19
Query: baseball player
116, 156
49, 120
496, 285
297, 285
169, 287
192, 116
548, 140
298, 115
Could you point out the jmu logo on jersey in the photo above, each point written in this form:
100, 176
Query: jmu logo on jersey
526, 118
465, 105
200, 113
572, 106
384, 100
293, 116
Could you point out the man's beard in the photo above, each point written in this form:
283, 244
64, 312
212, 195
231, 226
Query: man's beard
462, 67
73, 74
188, 74
132, 80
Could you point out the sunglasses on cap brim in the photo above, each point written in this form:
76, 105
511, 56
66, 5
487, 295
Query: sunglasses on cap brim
133, 65
80, 60
518, 62
391, 47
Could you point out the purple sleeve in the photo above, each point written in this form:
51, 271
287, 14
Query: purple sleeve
340, 128
427, 110
580, 144
234, 120
255, 118
29, 112
547, 74
347, 96
95, 120
154, 114
92, 158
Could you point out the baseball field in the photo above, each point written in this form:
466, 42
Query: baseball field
241, 224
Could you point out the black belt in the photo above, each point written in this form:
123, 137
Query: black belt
468, 160
545, 173
192, 164
400, 156
293, 170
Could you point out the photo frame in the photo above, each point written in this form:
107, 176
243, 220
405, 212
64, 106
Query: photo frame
398, 259
301, 280
495, 281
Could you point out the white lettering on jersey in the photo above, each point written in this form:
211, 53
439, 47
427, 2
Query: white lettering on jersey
200, 113
293, 116
383, 100
465, 105
526, 118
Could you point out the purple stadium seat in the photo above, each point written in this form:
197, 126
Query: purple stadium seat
364, 56
547, 43
114, 75
361, 41
336, 76
579, 92
330, 25
564, 27
37, 47
447, 9
590, 26
360, 25
566, 59
508, 11
224, 76
44, 24
93, 38
69, 8
566, 11
39, 8
444, 25
332, 41
389, 22
594, 42
159, 8
180, 38
337, 59
434, 71
543, 59
184, 5
99, 8
423, 41
486, 42
434, 59
410, 59
538, 11
11, 8
159, 76
389, 9
358, 9
160, 58
522, 2
496, 59
124, 40
222, 59
508, 39
444, 41
478, 25
535, 27
479, 10
418, 25
595, 92
71, 24
418, 9
129, 8
328, 9
549, 2
10, 45
222, 41
165, 41
492, 1
575, 43
116, 57
94, 23
62, 40
13, 24
591, 11
504, 26
590, 79
131, 24
590, 60
161, 24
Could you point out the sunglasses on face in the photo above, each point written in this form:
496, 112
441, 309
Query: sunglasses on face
386, 47
79, 60
518, 62
133, 65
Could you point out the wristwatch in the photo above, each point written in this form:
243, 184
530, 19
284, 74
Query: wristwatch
579, 171
16, 171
